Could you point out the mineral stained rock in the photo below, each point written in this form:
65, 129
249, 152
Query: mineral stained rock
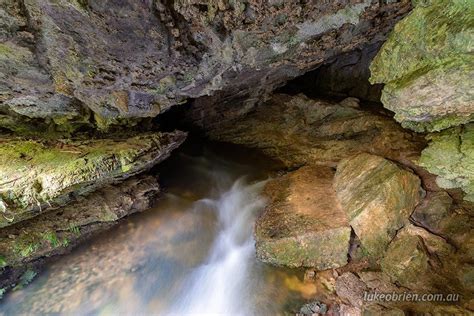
303, 224
450, 155
427, 65
439, 215
378, 197
299, 131
37, 175
23, 246
415, 259
69, 63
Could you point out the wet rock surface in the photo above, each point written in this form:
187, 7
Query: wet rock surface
378, 197
26, 246
298, 131
303, 224
37, 175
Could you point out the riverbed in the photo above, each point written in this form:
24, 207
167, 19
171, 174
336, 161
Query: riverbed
192, 254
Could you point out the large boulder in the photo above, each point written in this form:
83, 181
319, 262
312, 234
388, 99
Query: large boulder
303, 224
37, 175
450, 155
97, 63
427, 65
25, 245
298, 131
416, 258
378, 197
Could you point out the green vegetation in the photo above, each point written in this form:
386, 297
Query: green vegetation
25, 279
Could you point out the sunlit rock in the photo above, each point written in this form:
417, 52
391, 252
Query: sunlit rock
303, 224
378, 197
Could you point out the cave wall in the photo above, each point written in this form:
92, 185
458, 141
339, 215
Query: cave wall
346, 75
69, 65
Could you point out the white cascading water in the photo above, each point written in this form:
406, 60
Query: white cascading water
222, 285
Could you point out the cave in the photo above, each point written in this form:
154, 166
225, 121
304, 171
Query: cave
236, 157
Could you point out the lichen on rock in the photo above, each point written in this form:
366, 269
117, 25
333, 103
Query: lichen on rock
450, 155
37, 175
24, 245
427, 65
378, 197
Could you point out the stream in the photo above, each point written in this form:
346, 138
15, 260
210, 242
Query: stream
192, 254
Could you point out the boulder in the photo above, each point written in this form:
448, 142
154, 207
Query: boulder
25, 245
37, 175
450, 155
415, 259
298, 131
439, 215
378, 197
303, 224
427, 66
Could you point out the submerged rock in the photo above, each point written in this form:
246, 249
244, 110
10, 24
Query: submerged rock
427, 66
298, 131
450, 155
25, 245
378, 197
38, 175
303, 224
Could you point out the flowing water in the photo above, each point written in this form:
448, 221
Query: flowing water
193, 254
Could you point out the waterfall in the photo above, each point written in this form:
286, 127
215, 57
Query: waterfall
222, 284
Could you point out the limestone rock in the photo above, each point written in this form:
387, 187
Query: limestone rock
25, 244
299, 131
303, 224
37, 175
351, 289
377, 196
450, 155
118, 62
439, 215
427, 66
415, 259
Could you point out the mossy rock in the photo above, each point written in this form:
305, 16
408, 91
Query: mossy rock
303, 224
427, 66
37, 175
55, 232
378, 197
450, 155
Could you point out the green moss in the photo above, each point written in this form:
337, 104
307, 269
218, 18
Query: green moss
25, 279
427, 66
450, 155
38, 173
51, 238
3, 262
432, 35
74, 229
26, 249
